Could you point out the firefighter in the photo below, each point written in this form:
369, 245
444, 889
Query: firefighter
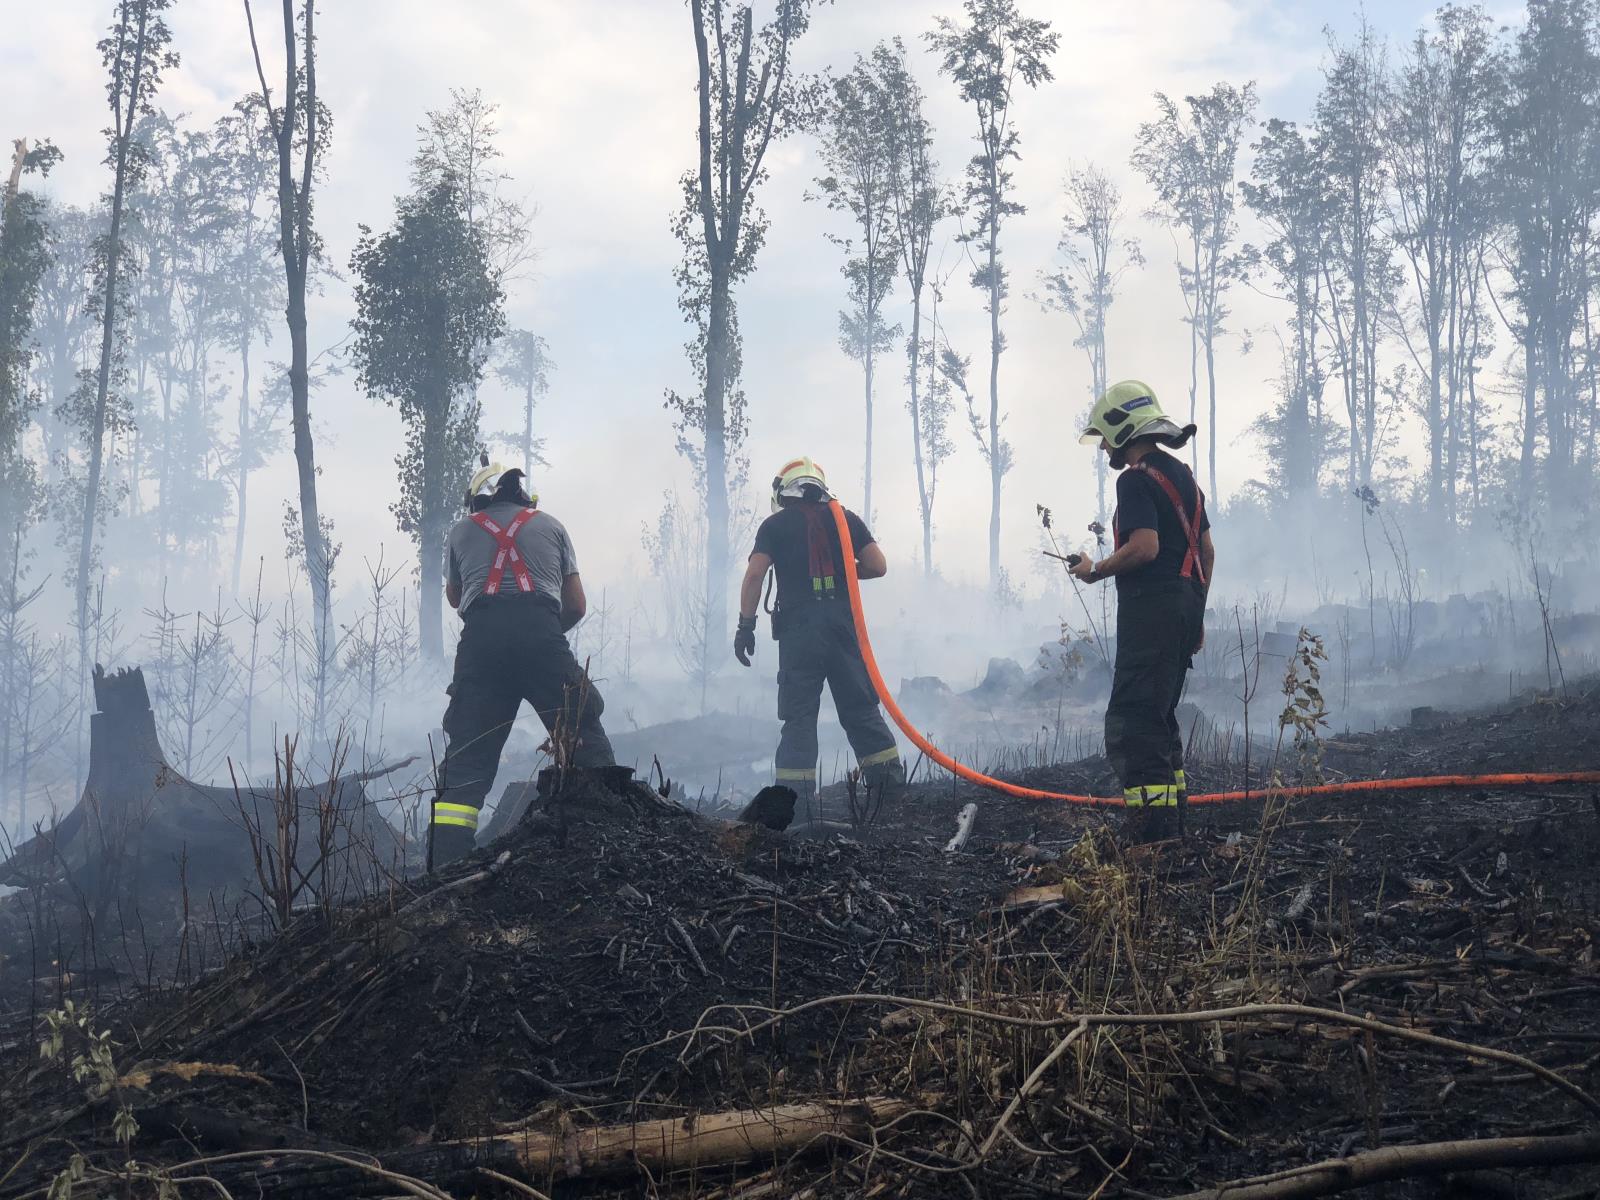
815, 631
1162, 564
511, 572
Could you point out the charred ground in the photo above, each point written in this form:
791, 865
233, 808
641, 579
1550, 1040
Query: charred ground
615, 959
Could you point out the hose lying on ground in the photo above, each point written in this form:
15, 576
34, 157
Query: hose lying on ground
962, 771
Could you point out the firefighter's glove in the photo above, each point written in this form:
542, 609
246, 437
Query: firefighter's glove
744, 640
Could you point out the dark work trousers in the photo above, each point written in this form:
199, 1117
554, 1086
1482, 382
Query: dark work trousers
511, 649
817, 645
1158, 627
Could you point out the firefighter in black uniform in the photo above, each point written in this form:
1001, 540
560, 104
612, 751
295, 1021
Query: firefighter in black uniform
1162, 564
815, 631
511, 571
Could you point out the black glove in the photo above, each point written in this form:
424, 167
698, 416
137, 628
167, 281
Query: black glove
744, 640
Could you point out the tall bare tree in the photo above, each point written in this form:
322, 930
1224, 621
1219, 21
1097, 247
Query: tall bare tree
193, 237
921, 201
1437, 138
750, 96
63, 324
1548, 131
156, 240
1094, 260
1288, 193
135, 54
245, 142
987, 57
300, 129
1359, 271
461, 142
524, 364
858, 149
1189, 155
24, 260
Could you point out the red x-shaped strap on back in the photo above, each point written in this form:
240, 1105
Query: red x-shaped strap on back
505, 551
1191, 529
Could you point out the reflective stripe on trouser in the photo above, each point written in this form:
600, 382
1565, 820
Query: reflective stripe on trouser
1157, 629
453, 833
819, 647
1153, 796
464, 815
511, 649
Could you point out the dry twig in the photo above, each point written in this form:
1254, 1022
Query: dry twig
1196, 1017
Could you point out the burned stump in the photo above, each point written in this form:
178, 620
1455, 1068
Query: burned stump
142, 834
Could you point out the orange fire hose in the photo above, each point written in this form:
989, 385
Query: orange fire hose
960, 769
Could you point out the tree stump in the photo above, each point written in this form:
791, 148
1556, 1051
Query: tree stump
141, 834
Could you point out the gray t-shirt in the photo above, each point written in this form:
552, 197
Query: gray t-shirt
542, 542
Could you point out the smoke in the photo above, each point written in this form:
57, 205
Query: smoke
1414, 608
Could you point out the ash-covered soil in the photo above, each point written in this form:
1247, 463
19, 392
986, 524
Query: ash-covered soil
616, 960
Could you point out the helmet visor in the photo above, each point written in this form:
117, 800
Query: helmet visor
797, 485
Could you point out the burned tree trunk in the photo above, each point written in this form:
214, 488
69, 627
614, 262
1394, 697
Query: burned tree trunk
91, 845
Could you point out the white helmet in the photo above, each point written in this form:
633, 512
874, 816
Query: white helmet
486, 480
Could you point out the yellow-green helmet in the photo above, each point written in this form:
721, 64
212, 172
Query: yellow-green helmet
1130, 410
796, 478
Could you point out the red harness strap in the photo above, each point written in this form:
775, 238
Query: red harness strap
819, 524
1191, 529
505, 541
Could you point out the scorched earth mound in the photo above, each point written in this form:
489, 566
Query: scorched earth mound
621, 997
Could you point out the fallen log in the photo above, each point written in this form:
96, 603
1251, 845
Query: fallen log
714, 1139
709, 1140
1403, 1162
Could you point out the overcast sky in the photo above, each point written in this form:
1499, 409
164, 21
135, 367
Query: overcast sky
597, 124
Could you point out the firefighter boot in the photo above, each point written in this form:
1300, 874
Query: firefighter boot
1152, 813
448, 843
884, 778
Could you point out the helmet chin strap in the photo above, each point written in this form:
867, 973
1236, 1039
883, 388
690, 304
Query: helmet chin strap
1119, 454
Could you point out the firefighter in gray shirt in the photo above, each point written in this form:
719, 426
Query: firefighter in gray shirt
511, 572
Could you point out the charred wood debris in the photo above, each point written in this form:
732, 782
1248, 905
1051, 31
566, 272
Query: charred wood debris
922, 998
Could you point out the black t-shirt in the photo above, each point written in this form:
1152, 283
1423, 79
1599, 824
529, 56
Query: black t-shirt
803, 543
1142, 503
